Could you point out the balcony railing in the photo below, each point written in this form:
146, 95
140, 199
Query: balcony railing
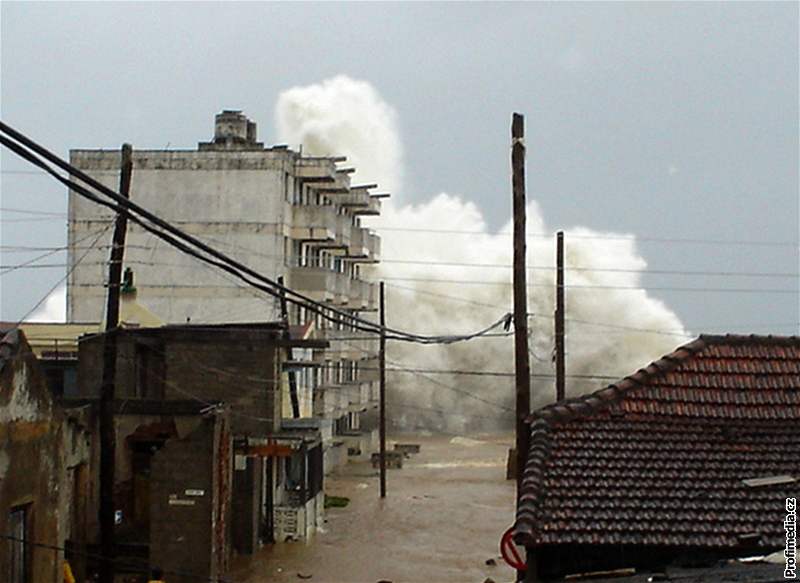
314, 276
330, 400
356, 196
365, 246
314, 223
315, 170
365, 295
321, 284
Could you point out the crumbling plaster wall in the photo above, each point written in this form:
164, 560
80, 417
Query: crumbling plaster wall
33, 461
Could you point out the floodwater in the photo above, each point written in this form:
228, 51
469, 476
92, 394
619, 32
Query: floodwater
442, 519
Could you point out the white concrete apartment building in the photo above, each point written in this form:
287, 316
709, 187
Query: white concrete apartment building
273, 209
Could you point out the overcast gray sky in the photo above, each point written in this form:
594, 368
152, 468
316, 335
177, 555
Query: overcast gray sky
667, 120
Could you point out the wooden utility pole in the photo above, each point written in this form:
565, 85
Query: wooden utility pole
107, 432
521, 358
292, 375
382, 414
560, 350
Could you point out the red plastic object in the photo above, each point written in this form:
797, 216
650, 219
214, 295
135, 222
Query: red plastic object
509, 551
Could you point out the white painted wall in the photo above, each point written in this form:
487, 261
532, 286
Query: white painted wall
233, 200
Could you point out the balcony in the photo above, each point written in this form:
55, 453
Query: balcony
347, 344
316, 170
357, 394
330, 401
356, 197
369, 371
344, 231
363, 295
320, 283
365, 246
373, 206
360, 202
338, 186
316, 223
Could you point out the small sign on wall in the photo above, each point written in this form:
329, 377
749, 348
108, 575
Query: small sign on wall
240, 462
179, 502
194, 492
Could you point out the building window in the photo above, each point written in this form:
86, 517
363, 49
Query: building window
19, 551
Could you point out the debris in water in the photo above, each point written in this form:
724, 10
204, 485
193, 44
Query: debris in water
491, 562
304, 576
465, 441
336, 501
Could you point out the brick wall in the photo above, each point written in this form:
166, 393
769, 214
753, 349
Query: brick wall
238, 366
184, 504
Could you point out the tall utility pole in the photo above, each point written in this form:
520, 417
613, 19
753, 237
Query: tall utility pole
560, 350
107, 433
382, 366
521, 358
292, 375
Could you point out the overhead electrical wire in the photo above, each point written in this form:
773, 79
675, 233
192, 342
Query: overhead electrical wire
635, 238
22, 146
582, 286
60, 281
572, 268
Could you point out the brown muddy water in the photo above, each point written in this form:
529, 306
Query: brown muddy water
442, 519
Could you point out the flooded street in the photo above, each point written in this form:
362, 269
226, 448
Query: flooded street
442, 519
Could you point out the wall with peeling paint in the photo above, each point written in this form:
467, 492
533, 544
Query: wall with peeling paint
41, 446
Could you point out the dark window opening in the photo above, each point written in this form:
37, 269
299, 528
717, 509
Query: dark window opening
19, 551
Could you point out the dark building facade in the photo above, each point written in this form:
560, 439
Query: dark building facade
201, 457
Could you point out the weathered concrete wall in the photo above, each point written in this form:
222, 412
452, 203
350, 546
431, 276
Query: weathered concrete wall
238, 367
237, 201
40, 449
189, 506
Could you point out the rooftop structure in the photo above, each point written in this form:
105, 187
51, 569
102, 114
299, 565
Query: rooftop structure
693, 455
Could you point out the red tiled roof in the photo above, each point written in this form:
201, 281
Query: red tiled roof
659, 457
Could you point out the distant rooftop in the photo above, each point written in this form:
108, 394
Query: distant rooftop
697, 450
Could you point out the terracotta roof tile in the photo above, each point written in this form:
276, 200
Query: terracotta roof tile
658, 458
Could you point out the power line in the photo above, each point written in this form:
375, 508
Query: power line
31, 212
572, 268
635, 238
589, 286
32, 219
62, 280
193, 246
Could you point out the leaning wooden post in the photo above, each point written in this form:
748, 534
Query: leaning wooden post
107, 432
